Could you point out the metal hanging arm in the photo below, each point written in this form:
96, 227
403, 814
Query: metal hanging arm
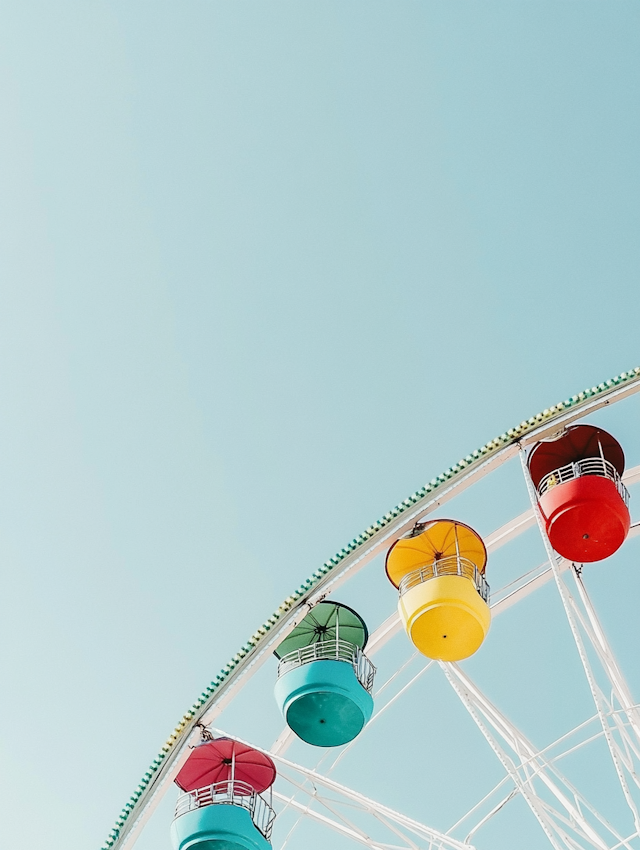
205, 734
233, 767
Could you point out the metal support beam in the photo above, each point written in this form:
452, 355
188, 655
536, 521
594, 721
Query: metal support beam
363, 803
531, 765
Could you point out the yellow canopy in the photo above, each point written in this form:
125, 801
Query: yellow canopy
431, 541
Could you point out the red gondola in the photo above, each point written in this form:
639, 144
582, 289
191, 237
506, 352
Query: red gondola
580, 492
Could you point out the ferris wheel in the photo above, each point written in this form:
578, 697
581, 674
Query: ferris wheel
367, 709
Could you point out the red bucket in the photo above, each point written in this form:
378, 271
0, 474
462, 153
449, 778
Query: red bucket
586, 518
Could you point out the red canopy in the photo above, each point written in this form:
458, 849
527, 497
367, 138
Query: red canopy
577, 443
223, 759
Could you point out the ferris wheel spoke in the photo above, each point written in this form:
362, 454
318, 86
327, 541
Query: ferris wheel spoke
494, 811
622, 720
377, 811
562, 824
349, 797
534, 765
283, 741
320, 798
627, 746
308, 812
599, 641
340, 823
528, 794
479, 804
629, 743
331, 806
389, 825
396, 674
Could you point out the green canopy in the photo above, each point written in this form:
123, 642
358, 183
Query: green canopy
327, 621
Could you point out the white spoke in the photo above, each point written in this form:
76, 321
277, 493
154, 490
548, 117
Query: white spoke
395, 674
326, 821
494, 811
349, 796
607, 658
534, 765
531, 800
478, 805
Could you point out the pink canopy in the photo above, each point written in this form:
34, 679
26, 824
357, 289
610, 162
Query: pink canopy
224, 759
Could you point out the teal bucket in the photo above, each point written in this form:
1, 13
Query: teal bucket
323, 702
217, 827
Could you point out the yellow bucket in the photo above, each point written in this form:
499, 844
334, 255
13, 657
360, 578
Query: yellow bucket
445, 617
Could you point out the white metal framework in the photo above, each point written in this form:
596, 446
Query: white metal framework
565, 816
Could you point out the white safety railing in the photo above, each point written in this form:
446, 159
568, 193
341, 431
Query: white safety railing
581, 468
454, 565
331, 650
230, 792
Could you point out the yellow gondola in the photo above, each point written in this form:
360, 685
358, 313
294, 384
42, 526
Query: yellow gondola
438, 569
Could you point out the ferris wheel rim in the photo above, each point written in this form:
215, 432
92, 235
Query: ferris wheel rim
471, 468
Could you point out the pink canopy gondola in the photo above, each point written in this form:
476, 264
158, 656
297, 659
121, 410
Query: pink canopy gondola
225, 759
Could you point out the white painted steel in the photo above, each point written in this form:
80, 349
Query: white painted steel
533, 765
364, 803
607, 659
331, 823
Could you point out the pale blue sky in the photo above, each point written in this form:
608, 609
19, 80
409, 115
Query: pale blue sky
266, 269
